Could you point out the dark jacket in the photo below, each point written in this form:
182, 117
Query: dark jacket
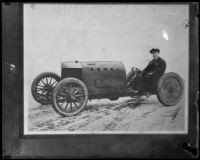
157, 67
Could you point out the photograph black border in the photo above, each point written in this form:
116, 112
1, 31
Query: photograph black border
17, 145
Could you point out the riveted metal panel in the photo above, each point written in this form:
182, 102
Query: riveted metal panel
104, 77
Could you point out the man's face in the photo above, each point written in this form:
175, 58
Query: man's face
155, 55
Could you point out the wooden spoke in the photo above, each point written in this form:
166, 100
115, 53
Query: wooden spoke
75, 104
66, 106
62, 94
39, 85
77, 90
78, 100
50, 81
79, 95
61, 106
73, 89
70, 106
47, 80
40, 89
43, 82
43, 92
61, 100
53, 83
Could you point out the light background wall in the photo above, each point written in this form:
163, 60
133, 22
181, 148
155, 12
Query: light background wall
55, 32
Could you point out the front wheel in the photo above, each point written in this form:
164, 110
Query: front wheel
170, 89
69, 97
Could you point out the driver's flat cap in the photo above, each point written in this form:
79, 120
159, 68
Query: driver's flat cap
154, 50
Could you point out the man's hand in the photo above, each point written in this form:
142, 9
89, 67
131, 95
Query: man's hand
150, 73
140, 74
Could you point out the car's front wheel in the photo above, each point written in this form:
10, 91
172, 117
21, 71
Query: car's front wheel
69, 97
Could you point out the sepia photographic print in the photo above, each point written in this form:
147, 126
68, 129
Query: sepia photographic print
106, 68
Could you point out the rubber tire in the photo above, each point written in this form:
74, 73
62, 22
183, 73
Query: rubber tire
166, 75
59, 85
37, 79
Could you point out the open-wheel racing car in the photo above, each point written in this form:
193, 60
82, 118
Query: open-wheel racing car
83, 81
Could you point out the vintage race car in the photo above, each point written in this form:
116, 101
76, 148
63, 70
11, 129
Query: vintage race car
83, 81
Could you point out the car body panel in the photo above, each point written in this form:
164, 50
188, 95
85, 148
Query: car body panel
100, 77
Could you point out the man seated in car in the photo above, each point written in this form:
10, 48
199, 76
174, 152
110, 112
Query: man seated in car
154, 70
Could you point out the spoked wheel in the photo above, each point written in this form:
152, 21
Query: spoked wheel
69, 97
170, 89
42, 87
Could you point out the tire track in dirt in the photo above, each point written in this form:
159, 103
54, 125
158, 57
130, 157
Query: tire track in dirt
125, 114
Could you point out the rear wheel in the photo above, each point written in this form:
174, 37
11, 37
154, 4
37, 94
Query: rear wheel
69, 97
170, 89
43, 85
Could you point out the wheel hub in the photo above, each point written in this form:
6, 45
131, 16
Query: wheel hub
70, 98
47, 88
172, 90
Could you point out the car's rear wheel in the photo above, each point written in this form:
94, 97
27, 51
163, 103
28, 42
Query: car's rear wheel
42, 87
69, 97
170, 89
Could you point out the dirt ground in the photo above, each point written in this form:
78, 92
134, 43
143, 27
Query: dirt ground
124, 114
